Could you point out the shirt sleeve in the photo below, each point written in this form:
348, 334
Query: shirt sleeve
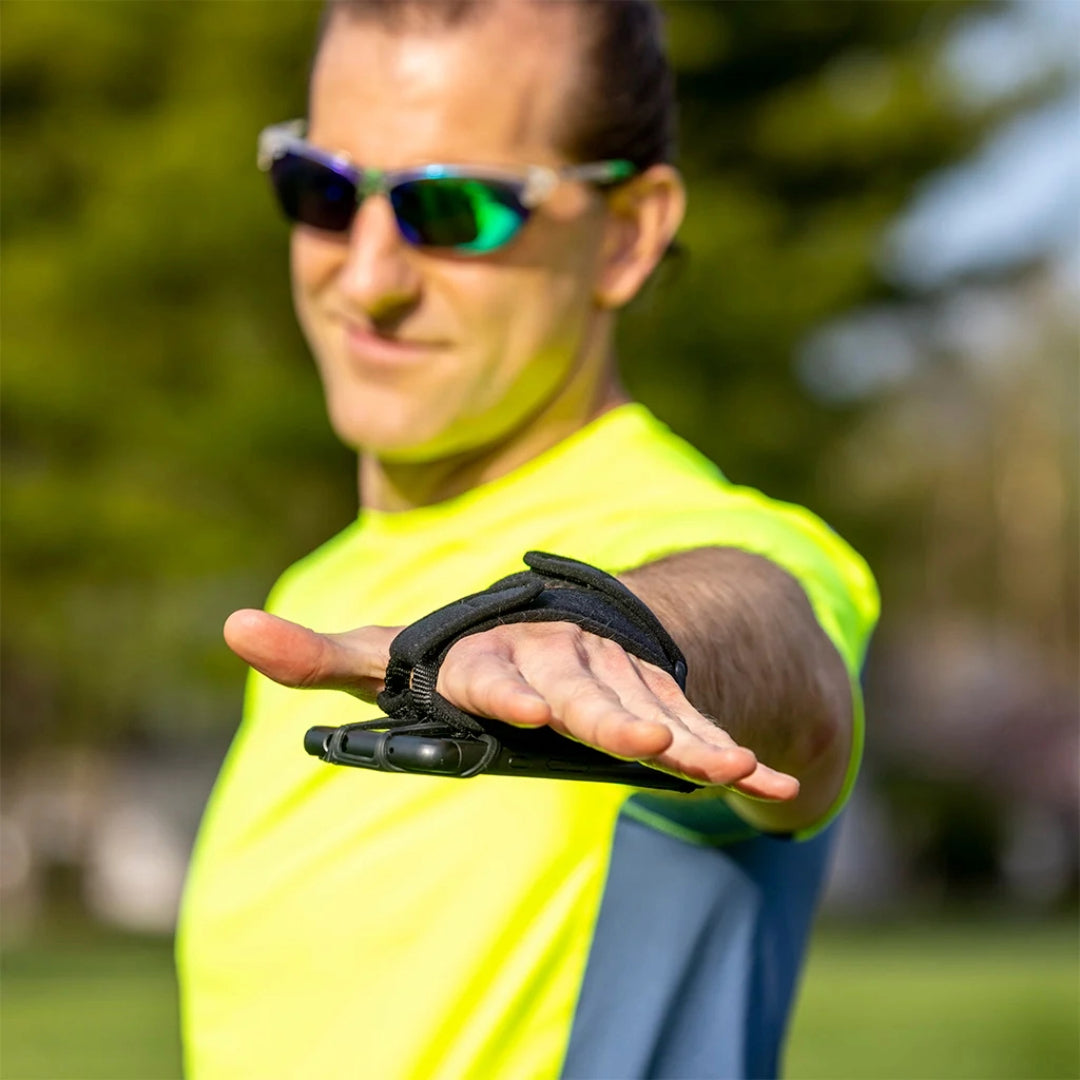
837, 581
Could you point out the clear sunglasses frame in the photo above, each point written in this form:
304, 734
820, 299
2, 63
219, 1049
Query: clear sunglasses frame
534, 182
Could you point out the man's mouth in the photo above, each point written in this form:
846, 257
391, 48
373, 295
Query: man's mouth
368, 346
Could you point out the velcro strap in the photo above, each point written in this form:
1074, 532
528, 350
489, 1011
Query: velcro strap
553, 589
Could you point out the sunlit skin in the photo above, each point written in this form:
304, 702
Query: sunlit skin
444, 372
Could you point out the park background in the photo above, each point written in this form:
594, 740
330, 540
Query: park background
875, 315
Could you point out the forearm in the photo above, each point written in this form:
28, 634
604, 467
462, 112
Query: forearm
761, 667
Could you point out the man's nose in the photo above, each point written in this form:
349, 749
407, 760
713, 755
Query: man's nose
380, 275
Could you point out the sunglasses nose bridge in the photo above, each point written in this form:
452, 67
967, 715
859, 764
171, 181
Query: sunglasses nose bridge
371, 182
378, 273
377, 190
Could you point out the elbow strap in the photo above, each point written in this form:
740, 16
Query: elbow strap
553, 589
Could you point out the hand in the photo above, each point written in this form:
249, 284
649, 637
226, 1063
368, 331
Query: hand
528, 674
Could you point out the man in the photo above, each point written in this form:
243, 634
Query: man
460, 304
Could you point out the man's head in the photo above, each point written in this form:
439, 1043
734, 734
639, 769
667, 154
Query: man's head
427, 354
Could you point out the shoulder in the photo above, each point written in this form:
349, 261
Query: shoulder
668, 498
321, 571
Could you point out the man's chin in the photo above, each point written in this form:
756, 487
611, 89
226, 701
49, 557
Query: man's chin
395, 447
404, 444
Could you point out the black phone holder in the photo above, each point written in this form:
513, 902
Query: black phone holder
423, 732
538, 752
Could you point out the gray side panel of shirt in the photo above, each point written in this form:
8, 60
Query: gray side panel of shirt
695, 957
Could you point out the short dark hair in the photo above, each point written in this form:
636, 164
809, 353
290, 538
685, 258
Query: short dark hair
625, 107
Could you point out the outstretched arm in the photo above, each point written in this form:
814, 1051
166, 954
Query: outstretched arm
766, 681
761, 667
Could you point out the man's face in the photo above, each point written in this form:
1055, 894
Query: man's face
426, 354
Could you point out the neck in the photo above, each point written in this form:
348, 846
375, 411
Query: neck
395, 487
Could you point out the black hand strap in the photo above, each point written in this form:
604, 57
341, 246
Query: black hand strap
553, 589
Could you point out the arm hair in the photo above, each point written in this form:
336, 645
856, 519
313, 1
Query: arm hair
760, 666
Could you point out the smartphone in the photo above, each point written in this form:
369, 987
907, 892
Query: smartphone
522, 752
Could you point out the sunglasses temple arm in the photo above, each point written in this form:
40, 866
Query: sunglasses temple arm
599, 172
542, 181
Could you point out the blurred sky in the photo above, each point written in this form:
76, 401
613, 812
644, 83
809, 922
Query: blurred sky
1018, 198
1014, 201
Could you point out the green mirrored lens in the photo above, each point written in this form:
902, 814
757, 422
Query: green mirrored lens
454, 212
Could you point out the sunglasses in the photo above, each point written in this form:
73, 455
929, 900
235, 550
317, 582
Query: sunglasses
468, 209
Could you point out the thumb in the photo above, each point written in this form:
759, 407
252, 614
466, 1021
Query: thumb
295, 656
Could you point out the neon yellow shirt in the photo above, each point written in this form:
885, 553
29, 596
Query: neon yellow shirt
341, 922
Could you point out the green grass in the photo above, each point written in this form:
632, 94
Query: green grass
981, 1002
89, 1006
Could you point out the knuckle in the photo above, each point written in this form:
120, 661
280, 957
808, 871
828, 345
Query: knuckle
664, 687
589, 708
611, 657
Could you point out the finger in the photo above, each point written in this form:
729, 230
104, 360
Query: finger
295, 656
732, 766
762, 782
770, 784
492, 674
592, 713
696, 748
700, 749
491, 685
568, 671
706, 764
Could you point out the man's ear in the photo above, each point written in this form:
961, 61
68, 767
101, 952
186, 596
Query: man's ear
643, 217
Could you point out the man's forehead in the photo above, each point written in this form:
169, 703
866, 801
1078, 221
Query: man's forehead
495, 82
